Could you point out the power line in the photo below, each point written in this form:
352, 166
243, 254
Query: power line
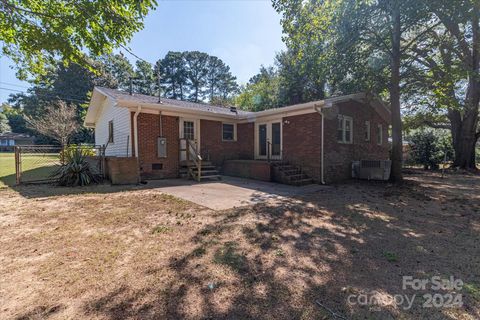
36, 89
14, 85
51, 96
133, 54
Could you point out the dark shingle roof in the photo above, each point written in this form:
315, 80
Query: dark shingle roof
142, 98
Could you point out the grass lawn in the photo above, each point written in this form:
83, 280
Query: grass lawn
34, 167
106, 252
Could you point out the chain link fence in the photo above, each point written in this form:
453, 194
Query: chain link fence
40, 163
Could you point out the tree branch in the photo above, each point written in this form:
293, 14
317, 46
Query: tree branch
454, 30
437, 125
420, 35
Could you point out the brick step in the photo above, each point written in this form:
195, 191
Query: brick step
185, 163
302, 182
296, 177
185, 169
204, 168
292, 171
213, 176
287, 168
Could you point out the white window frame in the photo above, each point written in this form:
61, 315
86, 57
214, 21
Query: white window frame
379, 134
234, 131
367, 131
111, 138
344, 120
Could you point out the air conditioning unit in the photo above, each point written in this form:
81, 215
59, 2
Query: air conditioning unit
371, 169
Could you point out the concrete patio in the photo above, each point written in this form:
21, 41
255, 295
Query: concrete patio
230, 192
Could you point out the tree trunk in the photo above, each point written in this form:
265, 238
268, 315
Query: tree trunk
397, 152
465, 127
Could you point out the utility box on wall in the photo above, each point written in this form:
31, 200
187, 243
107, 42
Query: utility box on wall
161, 147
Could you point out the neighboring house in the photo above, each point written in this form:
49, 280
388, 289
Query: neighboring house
318, 140
8, 140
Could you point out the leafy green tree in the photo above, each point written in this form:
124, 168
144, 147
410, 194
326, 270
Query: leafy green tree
4, 125
358, 37
15, 118
117, 70
173, 75
220, 83
37, 33
445, 80
301, 79
261, 92
430, 148
146, 81
72, 83
196, 71
195, 76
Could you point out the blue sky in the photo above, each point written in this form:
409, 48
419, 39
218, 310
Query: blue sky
243, 33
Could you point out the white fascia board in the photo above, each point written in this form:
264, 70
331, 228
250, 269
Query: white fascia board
172, 110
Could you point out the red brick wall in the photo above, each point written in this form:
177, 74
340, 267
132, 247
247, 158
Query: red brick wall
301, 142
218, 150
148, 132
258, 170
339, 156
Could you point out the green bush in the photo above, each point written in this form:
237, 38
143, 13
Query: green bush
429, 148
75, 170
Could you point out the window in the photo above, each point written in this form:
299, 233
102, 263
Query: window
345, 129
189, 130
367, 130
379, 135
110, 131
228, 132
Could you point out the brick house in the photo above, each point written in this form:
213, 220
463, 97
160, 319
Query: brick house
310, 142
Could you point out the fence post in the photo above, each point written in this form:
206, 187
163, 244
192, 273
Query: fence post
17, 165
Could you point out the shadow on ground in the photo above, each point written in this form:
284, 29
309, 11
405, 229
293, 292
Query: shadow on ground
304, 258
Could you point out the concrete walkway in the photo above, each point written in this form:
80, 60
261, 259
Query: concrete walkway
230, 192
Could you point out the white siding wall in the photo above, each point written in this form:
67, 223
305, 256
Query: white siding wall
121, 146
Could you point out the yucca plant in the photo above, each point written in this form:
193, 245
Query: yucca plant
75, 170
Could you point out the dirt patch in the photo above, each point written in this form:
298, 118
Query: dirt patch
139, 254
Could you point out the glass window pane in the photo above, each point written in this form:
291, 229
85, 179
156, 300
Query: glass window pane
188, 130
228, 131
276, 139
262, 139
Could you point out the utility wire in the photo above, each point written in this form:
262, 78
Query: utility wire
14, 85
51, 96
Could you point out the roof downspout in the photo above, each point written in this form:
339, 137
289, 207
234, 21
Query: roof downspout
135, 129
319, 109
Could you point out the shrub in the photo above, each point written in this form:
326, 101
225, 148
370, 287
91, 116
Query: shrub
429, 148
75, 170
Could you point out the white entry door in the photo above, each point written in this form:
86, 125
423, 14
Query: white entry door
189, 129
268, 140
